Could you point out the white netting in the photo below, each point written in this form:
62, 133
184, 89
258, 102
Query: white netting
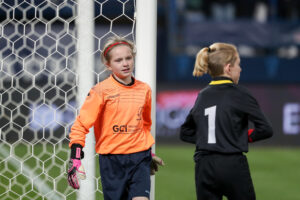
38, 89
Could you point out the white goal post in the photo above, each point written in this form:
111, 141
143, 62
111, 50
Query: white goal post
146, 27
85, 28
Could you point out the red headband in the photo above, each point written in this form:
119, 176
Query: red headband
112, 45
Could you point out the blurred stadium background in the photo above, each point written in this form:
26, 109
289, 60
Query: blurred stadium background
267, 35
38, 88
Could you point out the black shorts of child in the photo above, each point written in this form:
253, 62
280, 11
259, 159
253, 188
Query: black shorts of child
124, 176
219, 175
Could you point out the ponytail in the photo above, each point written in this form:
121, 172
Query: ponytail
201, 63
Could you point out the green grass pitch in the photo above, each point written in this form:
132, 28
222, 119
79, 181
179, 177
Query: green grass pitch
275, 173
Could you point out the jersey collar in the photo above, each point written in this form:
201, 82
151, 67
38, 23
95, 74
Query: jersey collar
221, 80
130, 84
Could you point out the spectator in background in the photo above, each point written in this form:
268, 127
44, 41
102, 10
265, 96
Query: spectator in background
219, 10
245, 8
261, 11
289, 9
193, 5
257, 10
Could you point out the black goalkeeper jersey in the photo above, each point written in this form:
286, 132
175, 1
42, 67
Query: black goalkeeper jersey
218, 121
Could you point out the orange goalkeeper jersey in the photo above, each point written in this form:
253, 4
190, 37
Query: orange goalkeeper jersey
121, 116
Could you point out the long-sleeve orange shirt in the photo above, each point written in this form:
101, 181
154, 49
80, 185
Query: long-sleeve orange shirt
121, 116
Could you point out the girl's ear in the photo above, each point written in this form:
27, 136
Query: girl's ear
227, 69
108, 66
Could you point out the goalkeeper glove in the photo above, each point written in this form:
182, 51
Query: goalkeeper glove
155, 162
76, 169
249, 134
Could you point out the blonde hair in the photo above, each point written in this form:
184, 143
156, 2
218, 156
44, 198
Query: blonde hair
113, 42
212, 59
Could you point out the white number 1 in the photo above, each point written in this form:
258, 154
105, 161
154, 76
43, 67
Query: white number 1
211, 112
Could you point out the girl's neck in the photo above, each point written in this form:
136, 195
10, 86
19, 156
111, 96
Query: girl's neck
127, 81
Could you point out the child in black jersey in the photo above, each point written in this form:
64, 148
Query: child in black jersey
218, 125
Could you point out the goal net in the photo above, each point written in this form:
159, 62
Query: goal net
39, 88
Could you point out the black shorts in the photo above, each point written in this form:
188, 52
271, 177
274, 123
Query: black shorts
124, 176
219, 175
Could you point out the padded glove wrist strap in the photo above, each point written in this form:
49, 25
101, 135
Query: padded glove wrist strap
76, 152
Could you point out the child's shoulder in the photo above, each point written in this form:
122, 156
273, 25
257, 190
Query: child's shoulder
104, 85
141, 83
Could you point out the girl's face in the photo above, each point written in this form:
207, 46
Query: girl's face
121, 63
235, 70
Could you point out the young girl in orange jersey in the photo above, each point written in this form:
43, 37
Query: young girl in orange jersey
119, 108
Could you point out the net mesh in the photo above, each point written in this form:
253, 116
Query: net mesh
38, 89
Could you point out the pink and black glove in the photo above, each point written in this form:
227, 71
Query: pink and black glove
156, 161
76, 169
